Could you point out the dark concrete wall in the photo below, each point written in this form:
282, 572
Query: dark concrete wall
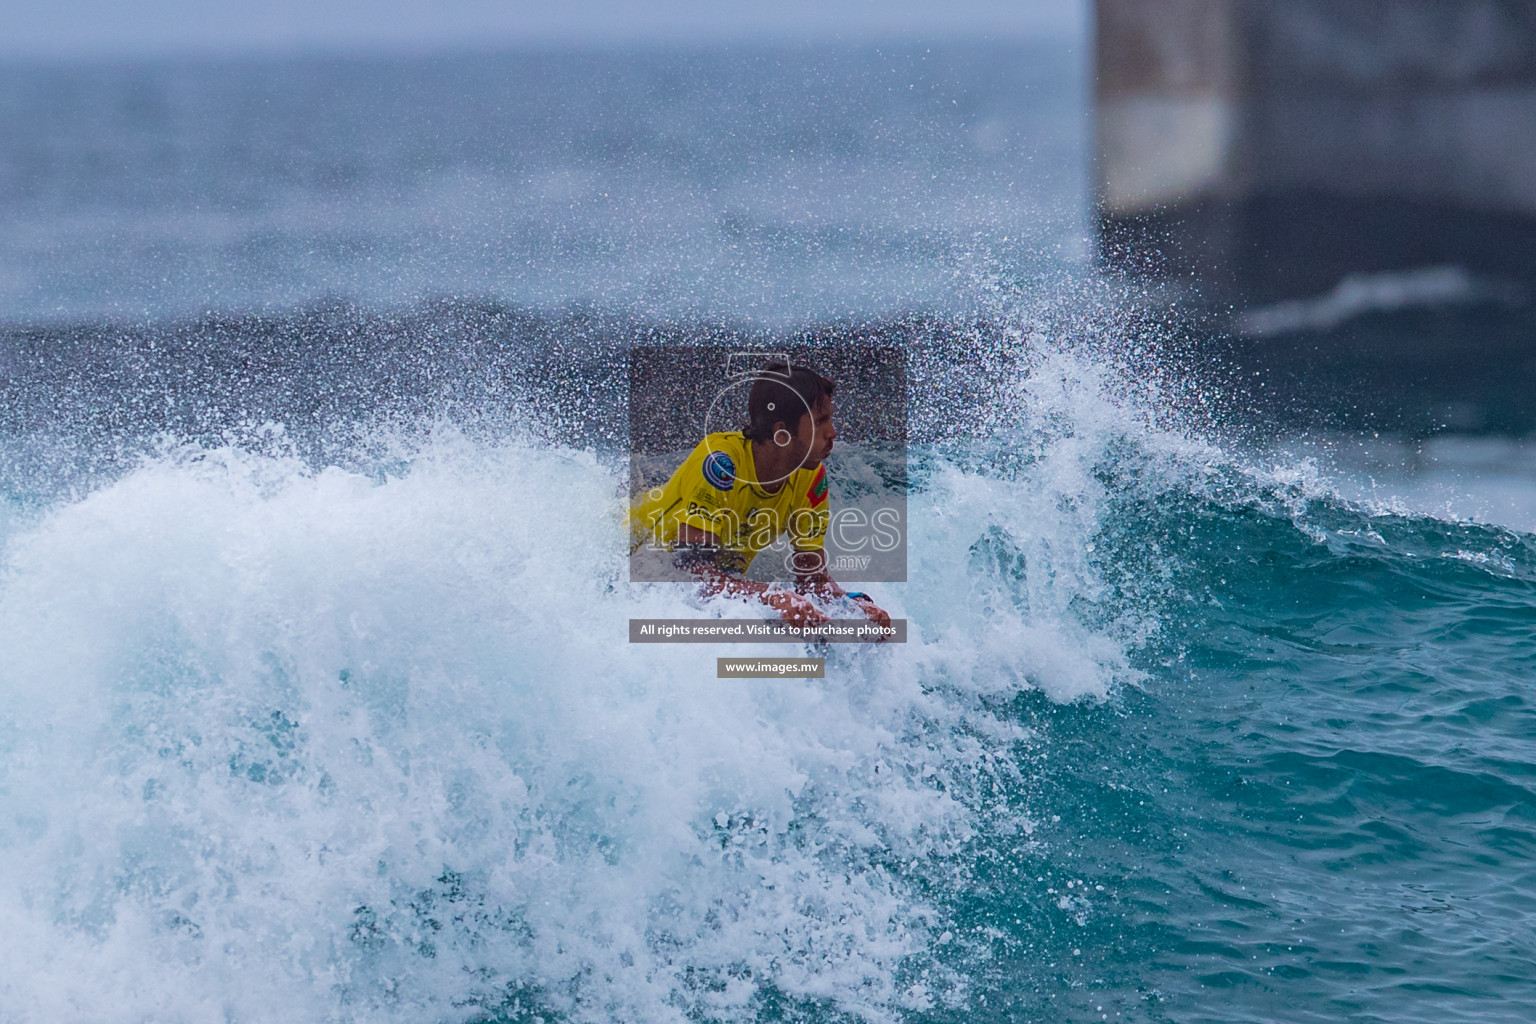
1278, 145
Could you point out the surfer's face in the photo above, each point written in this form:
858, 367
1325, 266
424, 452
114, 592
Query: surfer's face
816, 433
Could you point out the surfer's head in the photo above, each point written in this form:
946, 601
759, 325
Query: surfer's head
791, 407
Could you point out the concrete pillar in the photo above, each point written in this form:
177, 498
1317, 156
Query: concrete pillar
1167, 102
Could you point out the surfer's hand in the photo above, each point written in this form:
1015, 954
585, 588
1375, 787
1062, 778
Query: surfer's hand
876, 614
793, 608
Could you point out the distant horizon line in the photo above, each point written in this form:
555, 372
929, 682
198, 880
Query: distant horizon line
469, 47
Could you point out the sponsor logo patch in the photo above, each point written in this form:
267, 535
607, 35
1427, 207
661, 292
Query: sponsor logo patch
818, 491
719, 471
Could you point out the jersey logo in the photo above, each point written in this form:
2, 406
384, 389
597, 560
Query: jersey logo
720, 471
818, 491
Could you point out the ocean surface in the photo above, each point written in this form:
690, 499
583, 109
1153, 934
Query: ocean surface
315, 697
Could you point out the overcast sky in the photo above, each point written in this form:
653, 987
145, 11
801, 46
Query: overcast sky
49, 28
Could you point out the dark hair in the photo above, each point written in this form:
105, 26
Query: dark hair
782, 394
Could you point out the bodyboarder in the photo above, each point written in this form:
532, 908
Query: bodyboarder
738, 491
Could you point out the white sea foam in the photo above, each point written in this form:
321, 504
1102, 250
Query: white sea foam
278, 744
1487, 480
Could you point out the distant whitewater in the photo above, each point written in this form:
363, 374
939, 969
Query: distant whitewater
774, 185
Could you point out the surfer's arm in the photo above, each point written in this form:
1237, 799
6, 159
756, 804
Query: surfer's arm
698, 550
812, 578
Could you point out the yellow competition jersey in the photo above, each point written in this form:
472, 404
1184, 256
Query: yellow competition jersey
716, 489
